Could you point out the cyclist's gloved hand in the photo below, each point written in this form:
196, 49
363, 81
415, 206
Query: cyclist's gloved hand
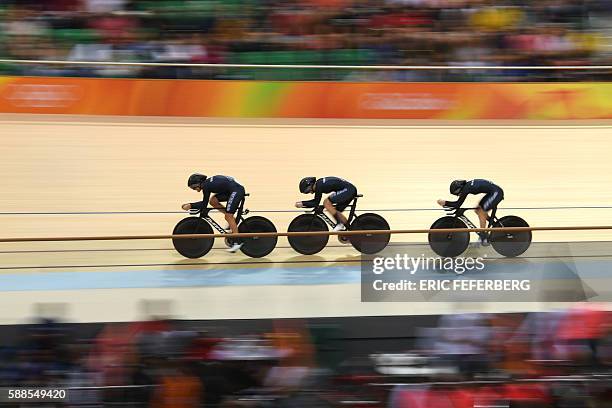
441, 203
299, 204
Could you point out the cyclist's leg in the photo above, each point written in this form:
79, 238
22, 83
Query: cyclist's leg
483, 216
341, 199
233, 201
216, 202
340, 207
485, 206
338, 216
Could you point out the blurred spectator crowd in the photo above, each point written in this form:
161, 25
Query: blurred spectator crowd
307, 32
552, 359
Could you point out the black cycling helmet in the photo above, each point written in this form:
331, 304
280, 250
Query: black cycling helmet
456, 186
195, 179
306, 183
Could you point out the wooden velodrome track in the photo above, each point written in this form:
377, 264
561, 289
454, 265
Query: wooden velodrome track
80, 164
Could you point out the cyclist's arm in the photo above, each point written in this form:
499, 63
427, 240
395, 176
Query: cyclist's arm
314, 202
202, 204
459, 201
198, 206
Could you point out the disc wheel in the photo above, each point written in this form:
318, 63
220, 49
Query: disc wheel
450, 244
257, 247
369, 243
308, 245
192, 247
511, 243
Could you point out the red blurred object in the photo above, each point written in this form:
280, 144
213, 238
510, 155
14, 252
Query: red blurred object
202, 347
583, 323
329, 3
61, 5
399, 20
114, 29
527, 392
435, 398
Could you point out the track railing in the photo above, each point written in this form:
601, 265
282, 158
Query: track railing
306, 233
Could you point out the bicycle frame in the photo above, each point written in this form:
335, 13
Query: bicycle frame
460, 213
239, 216
353, 206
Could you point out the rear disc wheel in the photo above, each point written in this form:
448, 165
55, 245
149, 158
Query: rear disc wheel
369, 243
257, 247
510, 243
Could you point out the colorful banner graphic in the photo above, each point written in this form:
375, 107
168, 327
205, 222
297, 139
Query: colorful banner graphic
141, 97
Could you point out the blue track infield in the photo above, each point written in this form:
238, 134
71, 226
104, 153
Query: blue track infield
599, 269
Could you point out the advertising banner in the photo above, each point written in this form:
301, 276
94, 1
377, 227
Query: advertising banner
256, 99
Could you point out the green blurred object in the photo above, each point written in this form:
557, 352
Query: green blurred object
9, 69
328, 343
281, 58
180, 9
351, 57
75, 35
306, 57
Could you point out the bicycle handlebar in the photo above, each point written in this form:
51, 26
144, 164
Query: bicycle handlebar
455, 211
202, 211
450, 210
315, 210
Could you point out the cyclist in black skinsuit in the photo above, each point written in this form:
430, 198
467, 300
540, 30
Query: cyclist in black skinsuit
342, 192
493, 195
226, 189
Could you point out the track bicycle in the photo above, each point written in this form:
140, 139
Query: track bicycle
255, 247
317, 220
452, 244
